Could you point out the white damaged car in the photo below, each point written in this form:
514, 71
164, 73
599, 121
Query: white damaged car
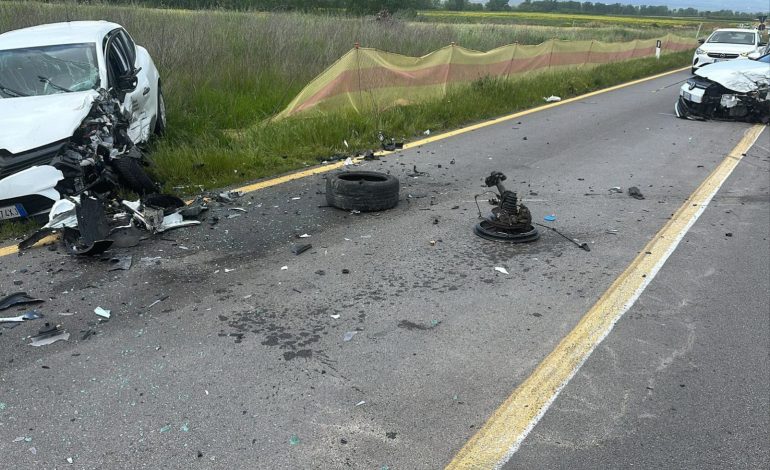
51, 78
736, 90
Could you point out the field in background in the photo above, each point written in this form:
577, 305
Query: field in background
227, 71
679, 25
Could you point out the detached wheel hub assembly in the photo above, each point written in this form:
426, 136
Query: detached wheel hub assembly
510, 221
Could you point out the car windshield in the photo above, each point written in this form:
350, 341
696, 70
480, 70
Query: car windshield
46, 70
732, 37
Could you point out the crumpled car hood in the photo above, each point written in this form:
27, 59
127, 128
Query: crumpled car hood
742, 76
30, 122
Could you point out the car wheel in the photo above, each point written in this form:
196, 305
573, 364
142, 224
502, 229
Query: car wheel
160, 115
362, 191
133, 176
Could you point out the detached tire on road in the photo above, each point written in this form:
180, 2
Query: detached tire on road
133, 176
364, 191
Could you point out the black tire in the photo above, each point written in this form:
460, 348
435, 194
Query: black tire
133, 176
364, 191
160, 114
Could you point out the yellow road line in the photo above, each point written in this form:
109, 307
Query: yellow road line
499, 438
9, 250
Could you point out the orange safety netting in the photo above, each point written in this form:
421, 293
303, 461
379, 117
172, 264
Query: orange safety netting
368, 79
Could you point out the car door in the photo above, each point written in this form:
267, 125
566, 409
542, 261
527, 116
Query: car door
120, 55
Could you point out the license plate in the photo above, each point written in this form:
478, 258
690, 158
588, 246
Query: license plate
12, 212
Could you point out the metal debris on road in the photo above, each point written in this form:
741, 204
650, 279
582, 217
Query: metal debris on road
510, 221
615, 189
157, 301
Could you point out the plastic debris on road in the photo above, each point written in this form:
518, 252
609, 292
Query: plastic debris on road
31, 315
121, 263
501, 269
48, 335
552, 99
17, 298
294, 440
104, 313
634, 192
549, 218
299, 249
349, 335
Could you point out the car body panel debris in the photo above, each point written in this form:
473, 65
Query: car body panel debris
18, 298
49, 334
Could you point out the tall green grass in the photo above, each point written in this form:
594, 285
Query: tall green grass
227, 71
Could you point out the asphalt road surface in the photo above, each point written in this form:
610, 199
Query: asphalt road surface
242, 364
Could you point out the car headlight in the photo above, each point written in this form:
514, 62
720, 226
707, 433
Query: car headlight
691, 84
700, 51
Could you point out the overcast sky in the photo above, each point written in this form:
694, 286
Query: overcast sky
751, 6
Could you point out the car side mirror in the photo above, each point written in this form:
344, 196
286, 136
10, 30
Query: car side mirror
127, 82
701, 41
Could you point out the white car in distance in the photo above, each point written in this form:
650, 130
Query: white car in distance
727, 44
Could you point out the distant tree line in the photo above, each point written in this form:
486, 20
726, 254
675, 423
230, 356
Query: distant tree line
392, 6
